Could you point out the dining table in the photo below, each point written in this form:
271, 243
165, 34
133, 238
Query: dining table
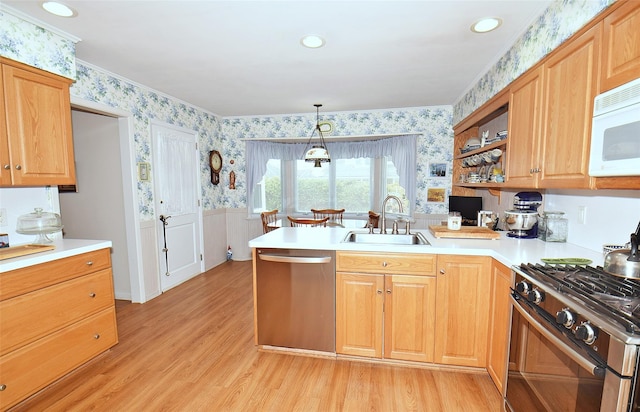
346, 223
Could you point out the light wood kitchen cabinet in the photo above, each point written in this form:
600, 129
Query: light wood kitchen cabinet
570, 86
36, 146
499, 324
525, 114
54, 317
385, 305
621, 46
462, 312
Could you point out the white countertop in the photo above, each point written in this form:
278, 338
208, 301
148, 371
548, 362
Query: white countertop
63, 248
509, 251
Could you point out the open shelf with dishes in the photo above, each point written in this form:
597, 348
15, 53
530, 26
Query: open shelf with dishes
480, 153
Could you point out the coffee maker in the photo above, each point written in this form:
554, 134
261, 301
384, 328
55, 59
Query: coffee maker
522, 220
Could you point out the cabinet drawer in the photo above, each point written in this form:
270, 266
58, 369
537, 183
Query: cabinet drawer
397, 263
17, 282
28, 317
32, 367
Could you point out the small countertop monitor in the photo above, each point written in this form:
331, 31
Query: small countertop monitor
468, 206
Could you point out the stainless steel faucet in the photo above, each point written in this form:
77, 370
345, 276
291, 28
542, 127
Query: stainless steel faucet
383, 224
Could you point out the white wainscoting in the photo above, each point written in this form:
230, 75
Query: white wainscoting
215, 237
151, 277
241, 229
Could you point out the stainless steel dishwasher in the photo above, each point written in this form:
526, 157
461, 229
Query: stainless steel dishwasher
295, 298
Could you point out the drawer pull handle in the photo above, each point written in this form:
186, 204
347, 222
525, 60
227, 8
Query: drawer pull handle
3, 387
96, 336
92, 295
90, 262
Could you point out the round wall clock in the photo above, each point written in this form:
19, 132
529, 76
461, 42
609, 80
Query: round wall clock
215, 162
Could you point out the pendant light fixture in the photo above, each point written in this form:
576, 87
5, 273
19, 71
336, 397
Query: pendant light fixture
318, 154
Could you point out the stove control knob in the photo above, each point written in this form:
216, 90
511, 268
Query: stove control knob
566, 318
523, 287
586, 333
536, 296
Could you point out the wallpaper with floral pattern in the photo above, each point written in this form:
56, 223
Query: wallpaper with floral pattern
147, 105
561, 20
26, 42
30, 44
435, 144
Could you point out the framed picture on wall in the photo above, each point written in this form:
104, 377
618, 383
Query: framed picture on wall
437, 170
143, 172
436, 195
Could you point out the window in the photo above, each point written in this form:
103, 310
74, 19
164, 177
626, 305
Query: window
357, 185
361, 173
268, 192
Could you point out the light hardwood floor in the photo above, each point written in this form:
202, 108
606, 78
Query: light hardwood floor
192, 349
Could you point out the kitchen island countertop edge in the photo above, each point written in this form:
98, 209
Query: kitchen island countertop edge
507, 250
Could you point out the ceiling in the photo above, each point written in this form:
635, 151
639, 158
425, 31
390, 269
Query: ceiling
237, 58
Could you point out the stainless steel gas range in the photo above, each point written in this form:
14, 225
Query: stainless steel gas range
575, 336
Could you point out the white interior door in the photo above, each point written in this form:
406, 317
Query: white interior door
176, 186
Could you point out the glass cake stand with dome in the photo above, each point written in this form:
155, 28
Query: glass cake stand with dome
39, 223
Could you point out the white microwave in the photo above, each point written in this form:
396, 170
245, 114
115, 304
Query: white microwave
615, 132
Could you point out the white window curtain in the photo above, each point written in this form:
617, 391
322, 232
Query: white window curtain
402, 150
174, 181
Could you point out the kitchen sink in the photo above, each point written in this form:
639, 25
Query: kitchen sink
388, 239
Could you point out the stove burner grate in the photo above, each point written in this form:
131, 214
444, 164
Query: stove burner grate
615, 297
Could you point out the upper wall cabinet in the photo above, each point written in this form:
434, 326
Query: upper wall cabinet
550, 108
570, 85
36, 144
525, 114
621, 46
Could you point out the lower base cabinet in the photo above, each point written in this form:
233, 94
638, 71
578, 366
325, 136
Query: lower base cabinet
54, 317
499, 324
396, 306
390, 311
390, 316
462, 310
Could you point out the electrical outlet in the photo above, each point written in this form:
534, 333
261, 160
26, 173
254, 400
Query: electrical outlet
582, 215
3, 217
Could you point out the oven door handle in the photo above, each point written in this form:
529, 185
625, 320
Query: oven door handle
295, 259
594, 369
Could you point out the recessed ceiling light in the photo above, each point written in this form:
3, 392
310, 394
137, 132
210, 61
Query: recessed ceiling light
312, 41
485, 25
58, 9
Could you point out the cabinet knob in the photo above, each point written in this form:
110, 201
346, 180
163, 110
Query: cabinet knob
384, 264
96, 336
379, 292
388, 291
90, 262
3, 386
442, 271
92, 295
6, 167
18, 167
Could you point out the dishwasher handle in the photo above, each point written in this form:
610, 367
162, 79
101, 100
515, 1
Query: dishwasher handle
294, 259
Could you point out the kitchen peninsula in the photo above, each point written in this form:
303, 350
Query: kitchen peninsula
446, 303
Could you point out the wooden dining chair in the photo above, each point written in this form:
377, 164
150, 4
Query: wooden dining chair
374, 219
299, 222
269, 220
334, 215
